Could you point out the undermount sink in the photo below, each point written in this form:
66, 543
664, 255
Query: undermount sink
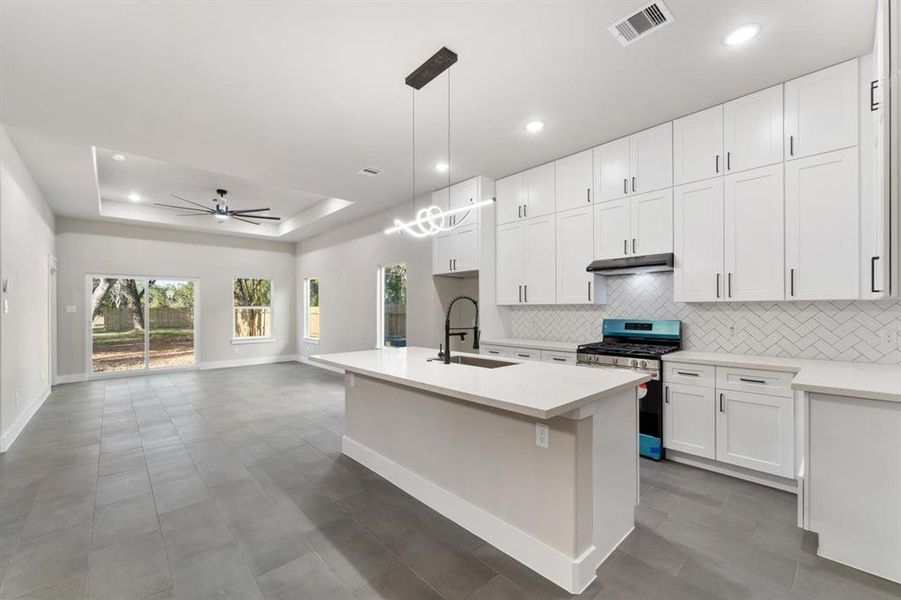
475, 361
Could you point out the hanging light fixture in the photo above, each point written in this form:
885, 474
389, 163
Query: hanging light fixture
432, 219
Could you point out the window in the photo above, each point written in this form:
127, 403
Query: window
392, 315
311, 308
253, 308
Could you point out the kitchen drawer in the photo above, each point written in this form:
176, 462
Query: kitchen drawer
494, 350
525, 353
563, 358
700, 375
755, 381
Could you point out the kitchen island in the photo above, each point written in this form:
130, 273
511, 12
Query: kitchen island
538, 459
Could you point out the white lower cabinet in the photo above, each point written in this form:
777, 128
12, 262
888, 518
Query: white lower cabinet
756, 431
689, 420
493, 350
751, 430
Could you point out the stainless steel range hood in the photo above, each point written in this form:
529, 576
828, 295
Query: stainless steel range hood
631, 265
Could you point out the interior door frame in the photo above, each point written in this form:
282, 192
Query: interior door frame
146, 370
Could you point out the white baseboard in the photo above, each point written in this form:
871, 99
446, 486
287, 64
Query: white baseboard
773, 481
306, 360
535, 554
8, 437
219, 364
247, 362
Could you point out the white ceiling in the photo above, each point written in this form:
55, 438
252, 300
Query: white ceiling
301, 95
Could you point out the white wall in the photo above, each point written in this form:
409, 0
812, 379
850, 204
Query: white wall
346, 262
92, 247
26, 243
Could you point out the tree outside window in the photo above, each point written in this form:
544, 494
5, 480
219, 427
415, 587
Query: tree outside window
252, 308
393, 283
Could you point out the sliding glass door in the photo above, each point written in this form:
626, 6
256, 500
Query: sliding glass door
141, 323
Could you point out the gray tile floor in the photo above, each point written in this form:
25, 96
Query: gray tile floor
230, 484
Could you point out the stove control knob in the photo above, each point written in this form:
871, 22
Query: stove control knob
634, 363
615, 360
643, 364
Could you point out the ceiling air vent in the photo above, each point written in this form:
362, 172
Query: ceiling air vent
370, 171
649, 18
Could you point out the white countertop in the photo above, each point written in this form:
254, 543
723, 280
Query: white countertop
841, 378
537, 344
532, 388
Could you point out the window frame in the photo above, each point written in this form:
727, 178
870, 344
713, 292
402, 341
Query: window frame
306, 311
380, 301
254, 339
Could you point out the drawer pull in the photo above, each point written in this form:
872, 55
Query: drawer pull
747, 380
558, 359
689, 373
493, 352
524, 355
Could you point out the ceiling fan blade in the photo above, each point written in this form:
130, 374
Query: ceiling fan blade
205, 211
245, 220
190, 202
193, 214
255, 216
249, 210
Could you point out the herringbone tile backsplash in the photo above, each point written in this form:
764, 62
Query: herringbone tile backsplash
838, 330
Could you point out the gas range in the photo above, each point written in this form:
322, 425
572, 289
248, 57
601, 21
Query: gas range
638, 344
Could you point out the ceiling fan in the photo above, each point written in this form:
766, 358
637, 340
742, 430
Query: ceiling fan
221, 210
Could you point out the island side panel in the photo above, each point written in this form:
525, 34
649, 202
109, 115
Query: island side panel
484, 456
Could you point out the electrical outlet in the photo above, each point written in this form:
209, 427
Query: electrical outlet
542, 433
731, 332
890, 338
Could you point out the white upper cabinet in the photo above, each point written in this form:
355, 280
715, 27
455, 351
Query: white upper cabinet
611, 164
510, 195
575, 249
539, 262
612, 229
462, 195
698, 241
467, 252
540, 191
574, 181
752, 130
698, 146
821, 111
651, 222
444, 246
754, 234
441, 198
508, 248
822, 237
651, 159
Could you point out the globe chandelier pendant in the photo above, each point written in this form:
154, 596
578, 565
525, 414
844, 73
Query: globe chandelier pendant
433, 219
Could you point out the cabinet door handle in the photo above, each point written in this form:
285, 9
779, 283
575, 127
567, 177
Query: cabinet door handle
874, 105
688, 373
729, 284
525, 293
625, 246
717, 285
520, 293
589, 291
873, 260
728, 161
519, 211
722, 408
666, 394
717, 163
633, 184
749, 380
791, 145
450, 265
791, 282
455, 264
588, 194
633, 246
525, 210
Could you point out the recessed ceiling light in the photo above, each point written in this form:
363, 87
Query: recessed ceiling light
134, 197
441, 167
741, 35
119, 157
534, 126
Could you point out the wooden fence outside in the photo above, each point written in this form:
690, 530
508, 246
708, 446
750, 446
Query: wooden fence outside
122, 318
313, 323
253, 321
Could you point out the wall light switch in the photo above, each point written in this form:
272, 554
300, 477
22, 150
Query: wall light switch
542, 435
890, 338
